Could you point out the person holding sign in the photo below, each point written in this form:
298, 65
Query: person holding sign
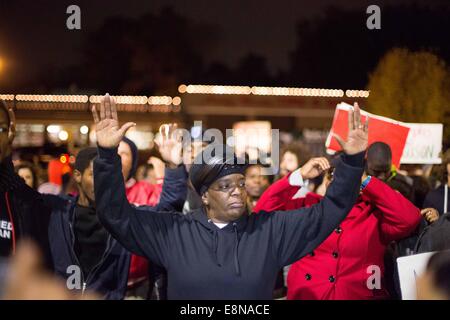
219, 251
349, 264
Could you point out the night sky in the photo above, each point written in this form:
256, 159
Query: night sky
33, 33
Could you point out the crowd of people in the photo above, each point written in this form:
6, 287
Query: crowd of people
196, 222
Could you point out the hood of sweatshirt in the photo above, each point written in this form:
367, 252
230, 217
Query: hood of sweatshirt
234, 228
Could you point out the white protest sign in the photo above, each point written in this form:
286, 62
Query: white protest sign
409, 268
424, 143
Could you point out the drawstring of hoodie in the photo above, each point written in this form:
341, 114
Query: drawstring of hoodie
237, 268
236, 257
215, 245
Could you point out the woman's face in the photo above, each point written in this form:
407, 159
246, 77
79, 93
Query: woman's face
255, 183
289, 163
27, 175
226, 198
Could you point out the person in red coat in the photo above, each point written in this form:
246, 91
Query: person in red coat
349, 264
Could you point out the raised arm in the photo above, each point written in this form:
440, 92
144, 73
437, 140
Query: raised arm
397, 216
143, 231
279, 196
174, 191
296, 233
11, 182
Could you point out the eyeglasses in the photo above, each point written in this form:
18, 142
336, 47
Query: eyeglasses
229, 187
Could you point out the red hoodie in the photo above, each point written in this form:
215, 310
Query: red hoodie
340, 267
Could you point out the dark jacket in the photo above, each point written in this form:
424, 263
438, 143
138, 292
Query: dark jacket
240, 261
435, 237
30, 218
109, 277
435, 199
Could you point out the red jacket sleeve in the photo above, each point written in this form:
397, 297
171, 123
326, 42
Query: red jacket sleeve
398, 217
278, 197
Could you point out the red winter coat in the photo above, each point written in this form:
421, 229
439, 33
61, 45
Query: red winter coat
340, 267
141, 193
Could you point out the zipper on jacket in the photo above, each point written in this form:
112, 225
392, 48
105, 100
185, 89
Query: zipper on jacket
102, 260
90, 275
76, 258
11, 217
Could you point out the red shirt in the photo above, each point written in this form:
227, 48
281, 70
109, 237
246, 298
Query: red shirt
340, 267
141, 193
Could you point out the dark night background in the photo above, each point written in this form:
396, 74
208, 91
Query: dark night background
150, 47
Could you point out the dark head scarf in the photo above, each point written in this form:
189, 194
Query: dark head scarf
214, 162
134, 156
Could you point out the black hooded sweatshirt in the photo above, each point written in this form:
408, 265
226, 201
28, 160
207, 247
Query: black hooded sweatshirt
239, 261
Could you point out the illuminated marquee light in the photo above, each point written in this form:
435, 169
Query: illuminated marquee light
52, 98
182, 88
206, 89
267, 91
160, 100
176, 101
8, 97
121, 99
307, 92
78, 102
357, 93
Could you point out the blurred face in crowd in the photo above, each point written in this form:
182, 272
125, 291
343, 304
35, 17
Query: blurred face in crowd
126, 157
191, 151
151, 176
289, 163
327, 179
27, 175
85, 182
380, 174
226, 198
140, 173
255, 183
4, 129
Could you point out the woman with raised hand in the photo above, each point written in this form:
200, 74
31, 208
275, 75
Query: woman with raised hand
220, 251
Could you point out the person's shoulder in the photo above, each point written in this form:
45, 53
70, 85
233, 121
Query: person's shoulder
403, 179
437, 191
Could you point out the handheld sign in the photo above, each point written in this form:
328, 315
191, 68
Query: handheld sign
391, 132
409, 268
424, 143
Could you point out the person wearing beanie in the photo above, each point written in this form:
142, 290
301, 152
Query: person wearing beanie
219, 251
80, 249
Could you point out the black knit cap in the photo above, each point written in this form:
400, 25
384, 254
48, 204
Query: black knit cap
214, 162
